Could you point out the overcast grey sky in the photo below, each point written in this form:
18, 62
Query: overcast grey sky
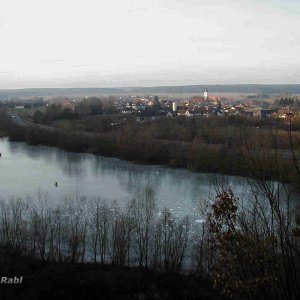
106, 43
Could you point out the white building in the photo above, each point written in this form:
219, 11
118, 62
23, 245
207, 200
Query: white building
205, 94
174, 106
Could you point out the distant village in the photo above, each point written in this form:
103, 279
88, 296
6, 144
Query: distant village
205, 106
151, 107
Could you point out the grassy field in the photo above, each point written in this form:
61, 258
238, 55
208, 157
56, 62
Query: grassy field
65, 124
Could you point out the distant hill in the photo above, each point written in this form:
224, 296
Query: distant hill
44, 92
196, 89
235, 88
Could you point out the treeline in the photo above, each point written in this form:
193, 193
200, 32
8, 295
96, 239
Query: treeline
288, 101
87, 107
35, 102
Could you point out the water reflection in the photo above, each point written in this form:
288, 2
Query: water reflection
71, 164
25, 169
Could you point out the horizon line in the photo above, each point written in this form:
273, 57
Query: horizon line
152, 86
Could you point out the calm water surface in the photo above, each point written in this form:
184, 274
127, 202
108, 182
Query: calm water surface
24, 170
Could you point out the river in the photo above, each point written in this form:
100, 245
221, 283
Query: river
26, 169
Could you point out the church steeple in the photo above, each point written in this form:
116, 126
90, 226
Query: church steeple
205, 94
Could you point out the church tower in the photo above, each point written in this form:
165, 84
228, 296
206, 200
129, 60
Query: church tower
205, 94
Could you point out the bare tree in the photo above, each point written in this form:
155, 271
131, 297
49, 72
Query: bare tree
120, 237
13, 225
174, 239
99, 229
75, 228
142, 211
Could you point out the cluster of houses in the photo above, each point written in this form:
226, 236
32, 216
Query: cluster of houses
205, 106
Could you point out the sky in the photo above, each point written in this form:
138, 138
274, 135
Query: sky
119, 43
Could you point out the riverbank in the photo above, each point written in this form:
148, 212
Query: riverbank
263, 164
